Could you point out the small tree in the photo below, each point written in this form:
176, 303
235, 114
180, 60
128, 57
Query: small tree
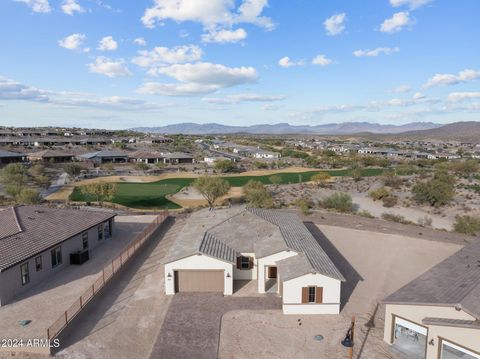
356, 174
142, 166
321, 179
73, 169
257, 195
102, 191
434, 192
37, 170
275, 179
211, 188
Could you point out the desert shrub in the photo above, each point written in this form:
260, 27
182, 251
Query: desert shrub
407, 170
339, 201
434, 192
73, 169
390, 179
225, 166
142, 166
395, 218
321, 179
389, 201
275, 179
378, 194
467, 225
304, 206
257, 195
29, 196
365, 214
426, 221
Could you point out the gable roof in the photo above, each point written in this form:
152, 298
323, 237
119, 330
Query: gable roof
453, 282
106, 153
7, 154
28, 230
223, 234
50, 153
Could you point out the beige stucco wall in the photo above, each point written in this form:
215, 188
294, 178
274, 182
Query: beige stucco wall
246, 274
469, 338
200, 262
270, 260
10, 279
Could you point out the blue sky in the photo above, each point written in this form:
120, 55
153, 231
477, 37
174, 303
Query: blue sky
120, 64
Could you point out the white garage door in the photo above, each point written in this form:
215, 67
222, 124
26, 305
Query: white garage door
453, 351
199, 281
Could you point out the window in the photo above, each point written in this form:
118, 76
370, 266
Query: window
38, 263
56, 256
244, 262
85, 240
100, 232
24, 273
311, 294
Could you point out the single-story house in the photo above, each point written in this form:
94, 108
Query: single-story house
213, 160
146, 156
51, 156
271, 247
178, 158
266, 154
437, 315
36, 242
104, 157
10, 157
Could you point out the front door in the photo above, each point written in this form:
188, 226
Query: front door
272, 272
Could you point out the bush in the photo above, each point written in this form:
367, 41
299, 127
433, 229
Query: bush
73, 169
378, 194
304, 206
365, 214
390, 179
275, 179
341, 202
142, 166
467, 225
257, 195
29, 196
426, 221
321, 179
225, 166
395, 218
389, 201
434, 192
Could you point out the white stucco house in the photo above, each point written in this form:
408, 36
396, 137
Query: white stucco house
437, 315
274, 248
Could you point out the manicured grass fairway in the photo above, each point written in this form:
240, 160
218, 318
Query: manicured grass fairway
152, 195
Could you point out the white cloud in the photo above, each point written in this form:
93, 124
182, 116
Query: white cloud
451, 79
321, 60
210, 13
402, 89
107, 43
270, 107
108, 67
233, 99
69, 7
15, 91
42, 6
376, 52
462, 96
412, 4
140, 41
72, 42
418, 96
335, 24
397, 22
287, 62
199, 78
161, 56
224, 36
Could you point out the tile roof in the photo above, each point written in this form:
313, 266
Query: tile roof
145, 154
50, 153
28, 230
105, 153
474, 324
4, 153
453, 282
224, 233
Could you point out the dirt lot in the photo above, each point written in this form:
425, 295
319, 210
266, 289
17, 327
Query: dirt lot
375, 265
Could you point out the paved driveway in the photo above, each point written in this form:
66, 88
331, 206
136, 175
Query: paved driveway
192, 325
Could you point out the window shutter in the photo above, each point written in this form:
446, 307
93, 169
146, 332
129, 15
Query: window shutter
319, 295
250, 262
239, 262
305, 295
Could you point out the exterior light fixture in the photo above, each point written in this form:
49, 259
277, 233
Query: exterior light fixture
169, 276
228, 275
431, 342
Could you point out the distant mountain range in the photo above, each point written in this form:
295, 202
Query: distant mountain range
468, 130
345, 128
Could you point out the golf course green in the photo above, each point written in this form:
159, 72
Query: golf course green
152, 195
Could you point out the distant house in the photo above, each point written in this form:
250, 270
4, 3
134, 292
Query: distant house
155, 140
10, 157
266, 154
146, 156
104, 157
273, 248
178, 158
51, 156
213, 160
36, 242
437, 315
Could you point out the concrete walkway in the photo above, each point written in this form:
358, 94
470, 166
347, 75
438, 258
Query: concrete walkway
192, 325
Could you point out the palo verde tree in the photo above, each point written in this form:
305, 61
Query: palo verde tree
101, 191
257, 195
211, 188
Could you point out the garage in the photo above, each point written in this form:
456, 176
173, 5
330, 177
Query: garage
410, 338
199, 281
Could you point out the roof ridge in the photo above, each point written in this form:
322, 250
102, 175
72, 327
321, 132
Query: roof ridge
16, 218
